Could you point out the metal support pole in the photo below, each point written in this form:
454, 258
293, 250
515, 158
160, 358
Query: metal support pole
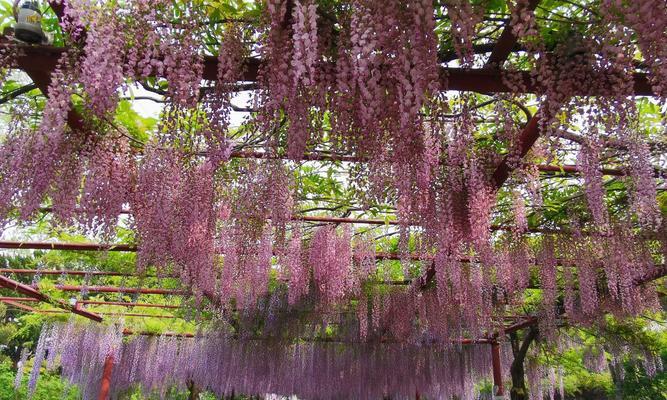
106, 378
499, 390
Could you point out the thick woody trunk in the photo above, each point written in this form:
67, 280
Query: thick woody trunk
519, 390
194, 391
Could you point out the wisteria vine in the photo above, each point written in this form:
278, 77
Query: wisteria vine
370, 85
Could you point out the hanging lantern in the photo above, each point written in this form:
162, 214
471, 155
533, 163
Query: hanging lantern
28, 23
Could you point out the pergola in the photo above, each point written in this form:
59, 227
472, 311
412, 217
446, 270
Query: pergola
40, 61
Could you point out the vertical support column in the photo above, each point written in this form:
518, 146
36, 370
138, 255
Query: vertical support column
105, 386
417, 397
499, 390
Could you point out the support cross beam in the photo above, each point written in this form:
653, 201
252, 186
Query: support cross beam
507, 41
36, 294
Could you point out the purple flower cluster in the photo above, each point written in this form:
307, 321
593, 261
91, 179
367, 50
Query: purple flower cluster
309, 369
376, 94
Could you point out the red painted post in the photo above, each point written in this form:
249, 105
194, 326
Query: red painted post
497, 370
106, 378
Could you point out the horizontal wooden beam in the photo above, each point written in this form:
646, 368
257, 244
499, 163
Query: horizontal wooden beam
130, 305
8, 244
115, 289
20, 271
43, 59
36, 294
99, 303
18, 305
111, 314
22, 289
5, 244
565, 169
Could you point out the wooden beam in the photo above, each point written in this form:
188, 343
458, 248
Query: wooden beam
113, 314
36, 294
23, 289
96, 302
16, 304
7, 244
526, 139
115, 289
126, 304
40, 61
507, 42
20, 271
28, 299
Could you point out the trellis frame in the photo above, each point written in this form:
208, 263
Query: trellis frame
40, 61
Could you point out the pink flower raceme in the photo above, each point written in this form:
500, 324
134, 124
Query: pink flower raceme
589, 162
331, 258
308, 369
299, 273
102, 68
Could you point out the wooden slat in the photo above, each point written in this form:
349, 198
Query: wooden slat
39, 62
507, 41
36, 294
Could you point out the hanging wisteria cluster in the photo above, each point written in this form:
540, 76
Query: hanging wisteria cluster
369, 85
81, 353
223, 365
547, 381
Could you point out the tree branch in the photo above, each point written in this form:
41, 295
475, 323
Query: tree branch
18, 92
